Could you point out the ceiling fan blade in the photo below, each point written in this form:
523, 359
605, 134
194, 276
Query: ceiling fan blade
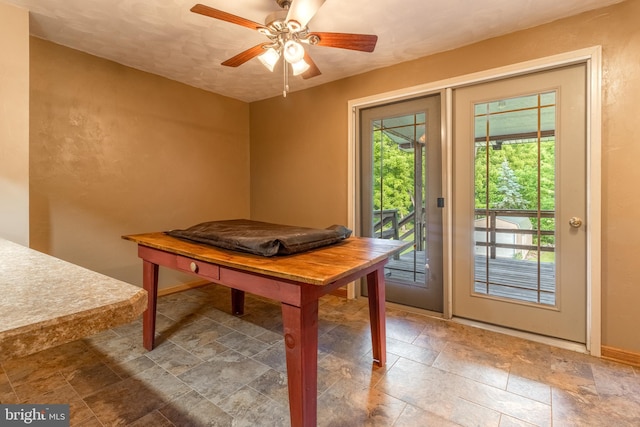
302, 11
313, 68
224, 16
243, 57
361, 42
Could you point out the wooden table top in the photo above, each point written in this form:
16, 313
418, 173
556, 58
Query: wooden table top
320, 266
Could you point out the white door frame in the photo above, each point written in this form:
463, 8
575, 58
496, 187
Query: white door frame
592, 57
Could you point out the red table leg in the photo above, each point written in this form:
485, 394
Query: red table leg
377, 315
150, 284
301, 345
237, 302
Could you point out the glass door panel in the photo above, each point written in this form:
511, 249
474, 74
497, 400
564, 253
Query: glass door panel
401, 182
398, 185
514, 178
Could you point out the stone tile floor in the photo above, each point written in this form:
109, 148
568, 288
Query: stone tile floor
213, 369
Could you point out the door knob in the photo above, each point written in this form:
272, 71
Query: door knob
575, 222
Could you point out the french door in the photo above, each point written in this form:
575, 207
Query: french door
519, 208
400, 195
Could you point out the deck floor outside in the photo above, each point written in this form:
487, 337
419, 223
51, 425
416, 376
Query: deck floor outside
508, 278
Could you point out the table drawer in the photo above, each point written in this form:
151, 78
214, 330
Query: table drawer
200, 268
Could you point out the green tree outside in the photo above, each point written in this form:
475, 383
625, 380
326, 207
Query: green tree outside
510, 181
393, 176
513, 180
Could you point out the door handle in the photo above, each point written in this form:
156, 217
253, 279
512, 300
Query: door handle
575, 222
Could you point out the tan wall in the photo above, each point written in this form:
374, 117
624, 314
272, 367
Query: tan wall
299, 167
14, 124
118, 151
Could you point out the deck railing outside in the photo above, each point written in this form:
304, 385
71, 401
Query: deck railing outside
491, 229
388, 225
498, 270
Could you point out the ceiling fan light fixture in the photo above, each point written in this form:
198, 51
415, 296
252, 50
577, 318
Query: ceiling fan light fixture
294, 26
293, 51
269, 58
299, 67
286, 29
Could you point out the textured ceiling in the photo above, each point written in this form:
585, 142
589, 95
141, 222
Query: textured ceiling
163, 37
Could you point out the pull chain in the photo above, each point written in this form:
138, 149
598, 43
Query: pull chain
286, 79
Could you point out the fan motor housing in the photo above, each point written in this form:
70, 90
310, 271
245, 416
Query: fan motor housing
284, 3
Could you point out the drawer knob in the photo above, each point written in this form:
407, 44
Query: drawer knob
194, 267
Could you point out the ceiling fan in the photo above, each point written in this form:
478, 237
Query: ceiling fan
287, 31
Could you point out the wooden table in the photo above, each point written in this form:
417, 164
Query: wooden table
47, 301
296, 281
